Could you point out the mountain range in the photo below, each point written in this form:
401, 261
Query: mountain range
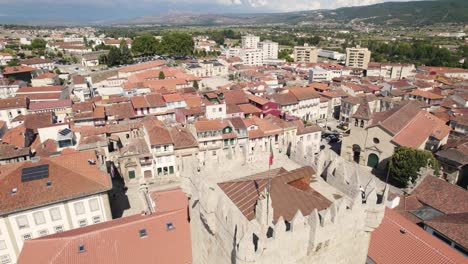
414, 13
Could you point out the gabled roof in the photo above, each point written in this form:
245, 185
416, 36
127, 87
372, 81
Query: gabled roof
441, 195
287, 196
398, 240
304, 93
453, 226
363, 111
208, 125
71, 176
283, 98
120, 111
119, 241
10, 151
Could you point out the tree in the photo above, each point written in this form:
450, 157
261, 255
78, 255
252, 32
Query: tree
145, 45
195, 84
14, 62
125, 54
285, 55
176, 44
102, 59
161, 75
113, 58
38, 43
406, 163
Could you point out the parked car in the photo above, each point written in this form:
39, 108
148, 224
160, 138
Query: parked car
343, 126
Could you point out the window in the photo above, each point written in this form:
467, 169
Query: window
43, 232
376, 140
309, 137
58, 229
131, 175
22, 222
55, 214
39, 218
169, 226
5, 259
362, 123
79, 208
82, 223
2, 245
81, 248
356, 122
166, 147
205, 143
94, 205
214, 153
127, 135
27, 237
171, 169
159, 171
316, 135
96, 219
143, 233
220, 109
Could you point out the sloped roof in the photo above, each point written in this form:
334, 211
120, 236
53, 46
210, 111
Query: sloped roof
14, 102
71, 176
118, 241
453, 226
286, 197
8, 151
284, 98
398, 240
441, 195
120, 111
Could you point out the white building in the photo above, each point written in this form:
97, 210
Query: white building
390, 71
5, 58
251, 56
207, 68
250, 41
48, 196
330, 54
10, 108
216, 111
269, 49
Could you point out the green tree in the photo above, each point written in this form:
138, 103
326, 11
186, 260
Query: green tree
195, 84
102, 59
406, 163
125, 54
161, 75
285, 55
145, 45
38, 43
113, 58
176, 44
14, 62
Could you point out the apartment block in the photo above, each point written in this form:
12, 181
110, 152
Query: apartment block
358, 57
305, 53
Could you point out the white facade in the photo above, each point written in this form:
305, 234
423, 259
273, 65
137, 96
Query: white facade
252, 56
269, 49
9, 114
5, 58
250, 41
216, 111
305, 53
334, 55
50, 219
392, 71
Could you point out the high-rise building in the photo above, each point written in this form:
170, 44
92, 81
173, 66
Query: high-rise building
269, 49
250, 41
357, 57
305, 53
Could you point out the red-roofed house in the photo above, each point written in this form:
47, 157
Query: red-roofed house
397, 240
51, 195
159, 237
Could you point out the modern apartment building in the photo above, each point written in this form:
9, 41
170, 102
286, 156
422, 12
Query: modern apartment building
305, 53
269, 48
358, 57
250, 41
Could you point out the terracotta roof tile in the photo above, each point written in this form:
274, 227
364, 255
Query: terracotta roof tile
14, 102
71, 176
397, 240
453, 226
286, 197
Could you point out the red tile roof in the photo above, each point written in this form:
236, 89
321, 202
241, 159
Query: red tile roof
453, 226
17, 69
71, 176
441, 195
119, 241
398, 240
287, 195
66, 103
143, 66
14, 102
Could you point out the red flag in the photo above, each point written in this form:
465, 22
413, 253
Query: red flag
271, 155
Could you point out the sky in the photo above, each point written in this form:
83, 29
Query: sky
82, 10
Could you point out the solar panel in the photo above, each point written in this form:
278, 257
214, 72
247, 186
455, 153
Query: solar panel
35, 173
65, 132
